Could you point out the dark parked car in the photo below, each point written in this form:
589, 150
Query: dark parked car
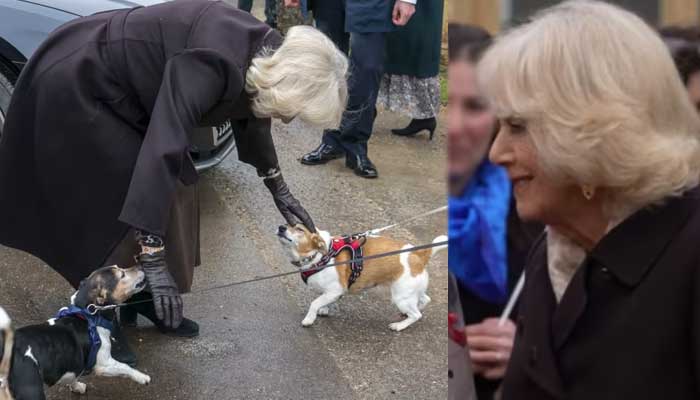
25, 24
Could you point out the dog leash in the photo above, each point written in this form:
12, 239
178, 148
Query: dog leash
93, 308
419, 216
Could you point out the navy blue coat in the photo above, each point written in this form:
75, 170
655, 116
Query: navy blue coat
367, 16
363, 16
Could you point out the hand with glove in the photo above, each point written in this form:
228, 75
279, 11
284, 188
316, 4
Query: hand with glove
288, 206
166, 296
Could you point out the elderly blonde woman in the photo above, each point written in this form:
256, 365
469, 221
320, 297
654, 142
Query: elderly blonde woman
602, 145
95, 167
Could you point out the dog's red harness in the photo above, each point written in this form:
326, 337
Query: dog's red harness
353, 244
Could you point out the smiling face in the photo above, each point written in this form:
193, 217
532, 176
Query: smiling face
537, 197
302, 247
110, 285
470, 124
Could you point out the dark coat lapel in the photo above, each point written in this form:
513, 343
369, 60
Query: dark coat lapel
570, 308
628, 251
541, 363
632, 248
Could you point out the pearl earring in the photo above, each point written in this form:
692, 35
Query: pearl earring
588, 191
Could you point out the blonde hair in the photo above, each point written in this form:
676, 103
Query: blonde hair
602, 100
304, 78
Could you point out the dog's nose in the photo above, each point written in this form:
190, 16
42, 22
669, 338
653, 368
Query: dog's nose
282, 229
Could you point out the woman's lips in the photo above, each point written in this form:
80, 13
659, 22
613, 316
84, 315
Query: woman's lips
519, 183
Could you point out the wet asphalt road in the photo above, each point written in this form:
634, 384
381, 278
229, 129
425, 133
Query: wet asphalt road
252, 344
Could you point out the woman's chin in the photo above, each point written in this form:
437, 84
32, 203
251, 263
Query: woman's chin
527, 211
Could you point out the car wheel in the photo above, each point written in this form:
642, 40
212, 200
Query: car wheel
6, 88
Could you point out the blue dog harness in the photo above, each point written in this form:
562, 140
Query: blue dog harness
93, 322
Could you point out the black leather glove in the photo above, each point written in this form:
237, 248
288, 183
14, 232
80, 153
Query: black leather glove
288, 206
166, 296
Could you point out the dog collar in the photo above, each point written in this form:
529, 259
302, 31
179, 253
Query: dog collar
352, 243
94, 321
306, 260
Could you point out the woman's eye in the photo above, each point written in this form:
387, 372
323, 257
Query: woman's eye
474, 104
517, 128
515, 125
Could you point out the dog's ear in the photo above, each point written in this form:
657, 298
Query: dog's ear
318, 242
81, 297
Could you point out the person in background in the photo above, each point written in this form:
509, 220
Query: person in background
602, 145
684, 44
358, 28
488, 242
270, 10
410, 84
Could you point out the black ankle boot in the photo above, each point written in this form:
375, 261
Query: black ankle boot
143, 304
417, 125
121, 351
362, 166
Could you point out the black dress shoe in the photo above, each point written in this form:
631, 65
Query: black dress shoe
362, 166
417, 125
321, 155
121, 351
128, 316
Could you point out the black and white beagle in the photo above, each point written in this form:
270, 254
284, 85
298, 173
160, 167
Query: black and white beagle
73, 344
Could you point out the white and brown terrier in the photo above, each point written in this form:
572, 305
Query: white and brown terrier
60, 351
405, 273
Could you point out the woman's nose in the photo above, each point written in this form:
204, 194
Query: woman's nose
499, 152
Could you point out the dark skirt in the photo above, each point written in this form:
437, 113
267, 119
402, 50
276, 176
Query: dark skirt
414, 49
181, 243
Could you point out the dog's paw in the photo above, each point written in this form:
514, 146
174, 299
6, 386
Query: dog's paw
308, 321
397, 326
78, 387
324, 311
141, 378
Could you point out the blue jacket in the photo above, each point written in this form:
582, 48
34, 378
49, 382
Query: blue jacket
362, 16
366, 16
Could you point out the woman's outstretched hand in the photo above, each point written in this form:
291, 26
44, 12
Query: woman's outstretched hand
288, 205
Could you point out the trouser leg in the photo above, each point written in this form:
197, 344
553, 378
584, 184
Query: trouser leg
245, 5
271, 13
330, 19
367, 66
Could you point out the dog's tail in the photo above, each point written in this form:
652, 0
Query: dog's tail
436, 249
8, 338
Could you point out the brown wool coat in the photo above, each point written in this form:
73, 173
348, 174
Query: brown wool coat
628, 325
97, 135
